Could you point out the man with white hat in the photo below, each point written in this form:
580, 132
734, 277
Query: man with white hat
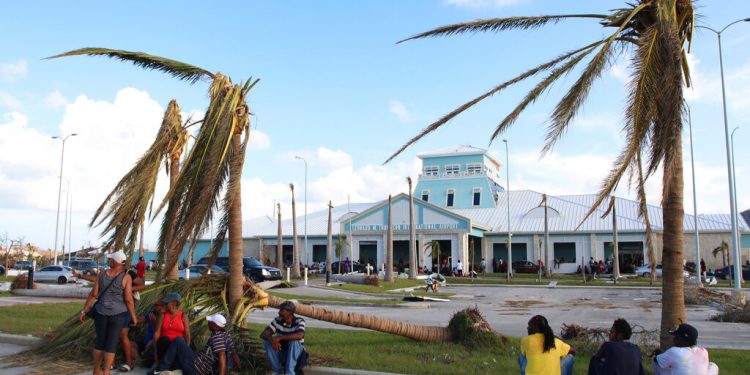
213, 359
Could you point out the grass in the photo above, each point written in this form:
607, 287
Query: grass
36, 319
335, 299
562, 279
384, 286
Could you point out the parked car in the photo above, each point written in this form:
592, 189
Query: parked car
22, 265
198, 270
728, 272
2, 270
645, 271
524, 266
58, 274
84, 266
251, 268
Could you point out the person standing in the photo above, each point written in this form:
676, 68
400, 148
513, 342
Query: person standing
114, 306
685, 357
617, 356
459, 269
140, 268
542, 353
284, 340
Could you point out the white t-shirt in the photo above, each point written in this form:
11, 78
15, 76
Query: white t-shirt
684, 361
459, 266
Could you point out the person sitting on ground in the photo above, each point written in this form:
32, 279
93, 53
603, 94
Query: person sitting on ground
127, 347
218, 356
685, 357
542, 353
146, 346
284, 340
617, 356
173, 325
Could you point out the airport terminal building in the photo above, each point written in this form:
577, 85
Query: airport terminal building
460, 203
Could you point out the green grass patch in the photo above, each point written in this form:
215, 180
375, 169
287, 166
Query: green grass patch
335, 299
36, 319
384, 286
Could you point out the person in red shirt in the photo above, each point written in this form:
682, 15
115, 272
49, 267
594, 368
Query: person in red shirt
140, 268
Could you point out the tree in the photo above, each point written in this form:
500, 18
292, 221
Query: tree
329, 246
279, 238
212, 167
724, 250
654, 34
296, 256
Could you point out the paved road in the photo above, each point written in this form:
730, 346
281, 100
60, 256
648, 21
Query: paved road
508, 309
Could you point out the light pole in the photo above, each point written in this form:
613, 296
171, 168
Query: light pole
695, 204
736, 224
59, 187
507, 192
309, 261
730, 167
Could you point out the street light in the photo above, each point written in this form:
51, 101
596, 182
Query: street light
507, 192
695, 204
730, 164
59, 187
736, 224
309, 261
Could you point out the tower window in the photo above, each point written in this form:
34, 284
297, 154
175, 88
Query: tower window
431, 170
477, 196
474, 168
453, 169
449, 197
426, 195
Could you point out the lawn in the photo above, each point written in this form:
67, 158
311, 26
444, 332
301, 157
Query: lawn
384, 286
36, 319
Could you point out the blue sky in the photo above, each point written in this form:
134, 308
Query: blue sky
335, 89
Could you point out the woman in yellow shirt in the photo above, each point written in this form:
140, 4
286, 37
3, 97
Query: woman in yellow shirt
542, 353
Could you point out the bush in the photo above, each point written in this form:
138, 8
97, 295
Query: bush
733, 314
372, 280
469, 328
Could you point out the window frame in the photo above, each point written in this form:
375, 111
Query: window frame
473, 169
450, 197
476, 200
425, 192
431, 171
453, 169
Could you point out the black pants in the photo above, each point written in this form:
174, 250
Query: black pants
107, 329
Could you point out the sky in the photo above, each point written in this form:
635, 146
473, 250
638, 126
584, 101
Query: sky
336, 90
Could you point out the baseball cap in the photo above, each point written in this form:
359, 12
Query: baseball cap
174, 296
686, 332
217, 319
118, 256
288, 305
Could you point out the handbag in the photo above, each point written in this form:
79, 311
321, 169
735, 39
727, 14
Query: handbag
92, 313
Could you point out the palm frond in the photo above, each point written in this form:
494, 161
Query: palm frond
499, 24
529, 73
177, 69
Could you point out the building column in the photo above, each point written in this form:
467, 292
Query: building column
486, 256
538, 252
260, 251
462, 252
421, 248
594, 248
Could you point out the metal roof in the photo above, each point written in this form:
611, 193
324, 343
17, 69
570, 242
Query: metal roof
570, 211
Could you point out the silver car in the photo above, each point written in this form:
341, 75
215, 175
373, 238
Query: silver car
198, 270
645, 271
58, 274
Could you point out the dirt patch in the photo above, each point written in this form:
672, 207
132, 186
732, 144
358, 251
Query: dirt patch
523, 303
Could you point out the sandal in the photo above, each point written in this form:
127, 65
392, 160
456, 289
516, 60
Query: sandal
125, 367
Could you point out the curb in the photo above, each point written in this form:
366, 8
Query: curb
404, 305
7, 338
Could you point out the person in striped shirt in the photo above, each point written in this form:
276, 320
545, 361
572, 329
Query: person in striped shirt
283, 339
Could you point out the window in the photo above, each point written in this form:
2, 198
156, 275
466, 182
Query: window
431, 170
452, 169
426, 195
565, 252
449, 198
474, 168
477, 196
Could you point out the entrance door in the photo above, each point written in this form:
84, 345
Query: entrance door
630, 254
288, 252
500, 251
319, 253
401, 255
368, 251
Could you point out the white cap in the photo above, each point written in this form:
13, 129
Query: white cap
217, 319
117, 256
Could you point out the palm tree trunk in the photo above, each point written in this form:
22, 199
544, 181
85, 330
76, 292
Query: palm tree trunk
173, 253
548, 269
412, 236
140, 244
296, 256
389, 244
329, 247
673, 300
412, 331
616, 252
279, 239
236, 276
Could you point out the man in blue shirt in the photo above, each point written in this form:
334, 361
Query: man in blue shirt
617, 356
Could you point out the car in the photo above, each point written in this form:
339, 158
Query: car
645, 271
58, 274
198, 270
22, 265
251, 268
728, 272
524, 266
84, 266
2, 271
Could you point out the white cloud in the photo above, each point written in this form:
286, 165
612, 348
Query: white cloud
620, 71
13, 71
323, 160
55, 99
483, 3
259, 140
9, 101
400, 110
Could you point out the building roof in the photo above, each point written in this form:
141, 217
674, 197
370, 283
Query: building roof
565, 215
457, 150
